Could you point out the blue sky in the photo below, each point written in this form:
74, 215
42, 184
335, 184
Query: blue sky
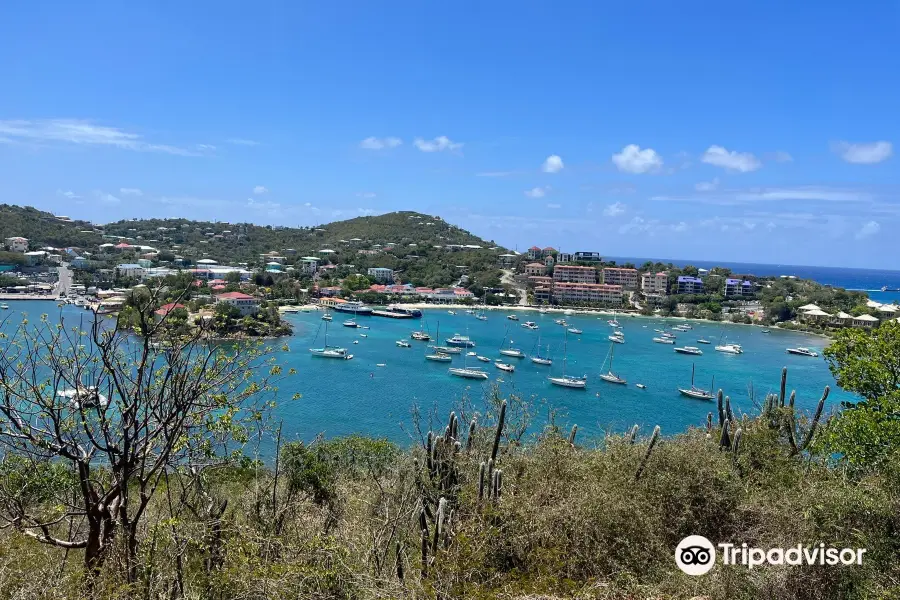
758, 132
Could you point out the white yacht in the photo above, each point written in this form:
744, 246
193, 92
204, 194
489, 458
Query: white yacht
327, 317
353, 306
610, 376
613, 323
439, 355
530, 325
462, 341
574, 330
350, 323
84, 397
802, 351
505, 366
468, 372
537, 358
403, 344
663, 340
568, 381
560, 322
510, 351
512, 317
703, 341
695, 392
689, 350
420, 336
483, 358
618, 339
730, 349
327, 351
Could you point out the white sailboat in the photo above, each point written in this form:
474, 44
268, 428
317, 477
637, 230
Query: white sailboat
695, 392
610, 376
567, 380
327, 351
726, 347
514, 352
541, 360
466, 371
437, 355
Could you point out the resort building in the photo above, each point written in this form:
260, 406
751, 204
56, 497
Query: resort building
736, 287
535, 269
17, 244
534, 253
381, 273
132, 270
627, 278
587, 257
655, 284
309, 264
549, 261
564, 257
690, 285
865, 321
247, 305
574, 274
543, 294
540, 281
587, 292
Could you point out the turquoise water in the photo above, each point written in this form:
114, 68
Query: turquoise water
357, 396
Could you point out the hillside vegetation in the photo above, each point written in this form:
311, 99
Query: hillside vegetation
43, 228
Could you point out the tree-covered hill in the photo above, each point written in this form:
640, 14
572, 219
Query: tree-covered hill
45, 229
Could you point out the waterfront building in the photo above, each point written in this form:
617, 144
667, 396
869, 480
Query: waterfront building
574, 274
543, 294
655, 284
737, 287
381, 273
540, 281
534, 269
627, 278
690, 285
579, 293
246, 304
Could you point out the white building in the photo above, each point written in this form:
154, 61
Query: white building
247, 305
309, 264
655, 284
381, 273
627, 278
17, 244
132, 270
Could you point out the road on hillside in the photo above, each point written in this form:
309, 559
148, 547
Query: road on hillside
65, 280
508, 278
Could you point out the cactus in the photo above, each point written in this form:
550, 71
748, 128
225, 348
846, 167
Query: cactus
572, 435
439, 524
708, 423
499, 432
454, 425
783, 386
424, 553
631, 436
653, 439
815, 421
721, 408
736, 445
470, 441
481, 473
725, 439
728, 414
793, 398
497, 485
429, 445
399, 554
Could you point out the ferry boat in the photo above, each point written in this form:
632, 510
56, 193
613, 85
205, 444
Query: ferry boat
802, 351
403, 344
689, 350
353, 306
413, 312
392, 313
461, 341
663, 340
694, 391
512, 317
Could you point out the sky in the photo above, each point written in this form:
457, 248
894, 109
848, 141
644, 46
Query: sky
741, 131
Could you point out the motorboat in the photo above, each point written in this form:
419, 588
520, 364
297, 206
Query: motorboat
764, 331
560, 322
512, 317
351, 323
574, 331
403, 344
451, 312
694, 391
689, 350
666, 334
420, 336
325, 317
471, 354
84, 397
355, 341
505, 367
481, 317
730, 349
530, 325
363, 335
483, 358
461, 341
4, 306
663, 340
613, 323
802, 351
618, 339
641, 386
703, 341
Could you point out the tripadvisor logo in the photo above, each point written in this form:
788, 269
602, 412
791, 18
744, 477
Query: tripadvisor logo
696, 555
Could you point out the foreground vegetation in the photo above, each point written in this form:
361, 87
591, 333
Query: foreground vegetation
476, 508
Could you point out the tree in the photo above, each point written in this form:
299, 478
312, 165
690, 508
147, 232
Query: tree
354, 283
113, 415
233, 277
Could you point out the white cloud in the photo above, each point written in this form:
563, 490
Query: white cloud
105, 197
366, 195
260, 189
634, 160
782, 156
869, 229
68, 194
537, 192
206, 148
366, 211
374, 143
130, 192
553, 164
438, 144
242, 142
707, 186
864, 153
743, 162
680, 227
554, 206
80, 132
614, 210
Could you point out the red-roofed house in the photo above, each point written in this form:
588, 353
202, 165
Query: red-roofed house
247, 305
534, 253
165, 309
123, 246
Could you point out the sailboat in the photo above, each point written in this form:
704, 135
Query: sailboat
541, 360
438, 355
327, 351
694, 391
481, 316
609, 375
514, 352
420, 335
726, 347
466, 371
567, 380
352, 322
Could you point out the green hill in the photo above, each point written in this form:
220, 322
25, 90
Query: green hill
45, 229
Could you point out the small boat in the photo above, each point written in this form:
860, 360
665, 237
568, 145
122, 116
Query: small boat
609, 376
364, 327
84, 397
765, 331
668, 335
512, 317
483, 359
575, 331
325, 317
420, 336
510, 351
363, 335
4, 306
451, 312
641, 386
537, 358
568, 381
470, 311
505, 367
613, 323
530, 325
481, 317
327, 351
802, 351
730, 349
439, 357
617, 339
694, 391
471, 354
689, 350
350, 323
663, 340
403, 344
560, 322
703, 341
462, 341
381, 365
659, 330
468, 373
355, 341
